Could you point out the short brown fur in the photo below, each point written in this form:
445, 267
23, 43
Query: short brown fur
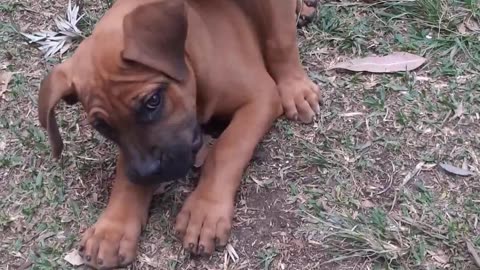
150, 74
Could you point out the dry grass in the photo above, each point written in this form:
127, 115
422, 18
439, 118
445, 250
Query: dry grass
359, 189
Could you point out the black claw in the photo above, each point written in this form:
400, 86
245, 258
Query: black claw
201, 249
88, 258
81, 249
121, 258
100, 261
191, 246
218, 245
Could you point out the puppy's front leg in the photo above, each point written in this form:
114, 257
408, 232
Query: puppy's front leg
206, 217
112, 241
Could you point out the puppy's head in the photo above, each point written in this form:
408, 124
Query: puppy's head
137, 88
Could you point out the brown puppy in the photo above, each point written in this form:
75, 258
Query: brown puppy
150, 74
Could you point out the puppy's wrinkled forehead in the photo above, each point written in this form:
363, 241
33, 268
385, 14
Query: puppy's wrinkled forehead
132, 43
99, 73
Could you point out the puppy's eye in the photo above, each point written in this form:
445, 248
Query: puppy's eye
153, 101
150, 107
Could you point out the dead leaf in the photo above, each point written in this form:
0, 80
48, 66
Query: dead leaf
52, 42
73, 258
412, 174
472, 25
455, 170
363, 146
459, 111
473, 251
440, 256
367, 204
461, 28
5, 78
395, 62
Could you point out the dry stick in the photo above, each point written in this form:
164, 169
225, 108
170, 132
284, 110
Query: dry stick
299, 2
473, 252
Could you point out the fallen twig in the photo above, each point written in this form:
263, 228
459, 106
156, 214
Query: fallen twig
473, 252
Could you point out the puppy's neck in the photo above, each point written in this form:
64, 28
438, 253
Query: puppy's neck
198, 43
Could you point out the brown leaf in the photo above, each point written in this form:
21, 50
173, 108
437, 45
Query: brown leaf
5, 78
459, 111
73, 258
367, 204
455, 170
461, 28
395, 62
473, 251
440, 256
472, 25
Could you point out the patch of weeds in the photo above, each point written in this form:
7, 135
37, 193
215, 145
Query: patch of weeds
419, 250
402, 118
347, 29
431, 10
285, 128
172, 264
314, 155
9, 8
472, 205
378, 219
4, 221
364, 164
424, 196
46, 257
109, 3
87, 23
476, 241
10, 160
328, 20
17, 85
377, 100
266, 257
395, 239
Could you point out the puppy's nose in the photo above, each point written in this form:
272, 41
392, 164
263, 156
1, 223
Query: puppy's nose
145, 169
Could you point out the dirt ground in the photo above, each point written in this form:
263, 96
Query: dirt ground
361, 188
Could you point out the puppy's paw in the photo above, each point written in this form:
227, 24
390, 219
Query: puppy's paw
205, 223
300, 98
110, 243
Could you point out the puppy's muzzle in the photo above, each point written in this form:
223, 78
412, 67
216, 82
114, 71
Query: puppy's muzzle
165, 163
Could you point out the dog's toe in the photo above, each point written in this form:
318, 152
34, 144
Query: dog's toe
110, 244
300, 98
204, 223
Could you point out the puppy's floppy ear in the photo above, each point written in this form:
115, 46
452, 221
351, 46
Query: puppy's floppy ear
57, 85
155, 35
